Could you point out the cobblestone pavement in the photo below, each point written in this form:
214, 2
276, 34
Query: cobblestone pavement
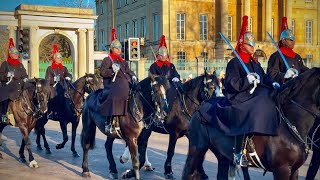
62, 165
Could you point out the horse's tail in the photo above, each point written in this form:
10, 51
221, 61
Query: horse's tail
88, 133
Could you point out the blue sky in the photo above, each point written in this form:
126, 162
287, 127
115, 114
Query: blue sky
10, 5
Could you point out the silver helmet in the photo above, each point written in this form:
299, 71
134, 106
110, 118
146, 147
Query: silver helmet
248, 38
163, 51
116, 44
287, 34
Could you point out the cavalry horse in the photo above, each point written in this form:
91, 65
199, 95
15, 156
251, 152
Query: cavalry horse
75, 96
298, 103
177, 121
30, 104
148, 103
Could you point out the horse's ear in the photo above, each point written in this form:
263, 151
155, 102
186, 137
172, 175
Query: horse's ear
214, 72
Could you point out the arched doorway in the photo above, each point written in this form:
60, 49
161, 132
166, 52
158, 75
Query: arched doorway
66, 49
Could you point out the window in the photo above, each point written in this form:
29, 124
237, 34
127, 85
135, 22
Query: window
272, 27
308, 0
102, 7
293, 25
204, 55
203, 27
102, 37
309, 32
119, 32
143, 27
135, 28
181, 26
126, 31
181, 56
250, 24
156, 27
119, 4
126, 2
230, 28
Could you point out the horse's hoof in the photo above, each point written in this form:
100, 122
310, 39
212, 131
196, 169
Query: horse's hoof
123, 160
33, 164
75, 154
59, 146
127, 174
169, 176
48, 151
86, 174
39, 148
23, 160
113, 175
148, 168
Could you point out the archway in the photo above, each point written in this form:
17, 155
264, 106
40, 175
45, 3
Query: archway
66, 48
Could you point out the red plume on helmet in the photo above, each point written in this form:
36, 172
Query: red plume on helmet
284, 24
11, 45
113, 34
55, 50
242, 32
162, 41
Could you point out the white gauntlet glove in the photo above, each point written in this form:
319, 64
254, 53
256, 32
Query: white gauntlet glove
56, 78
68, 78
115, 67
25, 79
134, 79
291, 73
175, 79
10, 74
252, 77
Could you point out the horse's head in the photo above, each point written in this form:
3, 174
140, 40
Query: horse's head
92, 83
41, 94
210, 86
159, 86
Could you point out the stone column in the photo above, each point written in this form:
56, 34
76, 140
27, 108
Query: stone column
33, 53
81, 52
12, 34
247, 9
289, 12
90, 51
224, 17
268, 17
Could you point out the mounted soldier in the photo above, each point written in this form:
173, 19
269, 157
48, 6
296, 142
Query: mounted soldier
164, 67
276, 66
250, 109
116, 76
13, 76
56, 75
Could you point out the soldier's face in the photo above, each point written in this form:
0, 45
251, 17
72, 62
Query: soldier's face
58, 60
163, 58
14, 55
289, 43
248, 49
116, 51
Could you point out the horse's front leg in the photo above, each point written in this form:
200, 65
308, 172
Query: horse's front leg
22, 158
167, 166
282, 173
45, 142
32, 162
112, 164
314, 164
63, 126
133, 148
124, 158
73, 139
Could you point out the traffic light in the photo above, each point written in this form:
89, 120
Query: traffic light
24, 41
134, 49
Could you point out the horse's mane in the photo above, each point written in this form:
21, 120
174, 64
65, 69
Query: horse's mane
293, 87
79, 82
193, 83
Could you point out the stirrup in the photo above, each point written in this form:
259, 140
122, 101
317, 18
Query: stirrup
109, 129
240, 160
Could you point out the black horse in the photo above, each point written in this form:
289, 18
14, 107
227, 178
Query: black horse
75, 96
298, 102
149, 102
177, 121
31, 103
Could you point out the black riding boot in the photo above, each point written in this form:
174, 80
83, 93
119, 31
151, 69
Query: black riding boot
239, 157
109, 125
4, 109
